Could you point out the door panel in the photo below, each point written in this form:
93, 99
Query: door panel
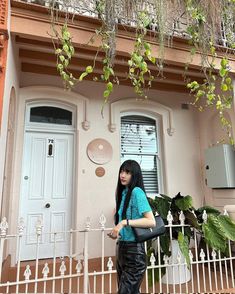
47, 187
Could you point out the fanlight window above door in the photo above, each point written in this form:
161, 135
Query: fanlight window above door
50, 115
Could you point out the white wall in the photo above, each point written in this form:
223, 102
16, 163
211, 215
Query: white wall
95, 195
181, 150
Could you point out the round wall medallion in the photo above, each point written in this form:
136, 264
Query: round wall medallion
100, 151
100, 171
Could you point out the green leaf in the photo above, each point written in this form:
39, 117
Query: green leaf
60, 66
106, 93
111, 71
165, 244
213, 234
184, 203
228, 80
224, 62
66, 48
72, 50
66, 62
89, 69
208, 210
224, 87
166, 197
62, 58
162, 206
191, 219
82, 76
222, 72
58, 51
110, 86
147, 46
184, 246
228, 227
152, 59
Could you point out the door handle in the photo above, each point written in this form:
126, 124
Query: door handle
48, 205
26, 177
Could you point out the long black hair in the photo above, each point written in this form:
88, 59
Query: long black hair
132, 167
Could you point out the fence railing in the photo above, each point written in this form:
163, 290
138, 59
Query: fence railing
78, 273
175, 21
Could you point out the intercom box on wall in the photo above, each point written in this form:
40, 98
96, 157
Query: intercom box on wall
220, 166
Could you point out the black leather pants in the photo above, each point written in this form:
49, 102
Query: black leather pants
131, 265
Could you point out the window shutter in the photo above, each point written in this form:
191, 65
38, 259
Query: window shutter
139, 142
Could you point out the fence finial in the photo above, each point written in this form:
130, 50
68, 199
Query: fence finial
39, 226
202, 254
166, 259
110, 264
3, 227
213, 254
79, 266
191, 256
27, 272
45, 270
204, 216
181, 218
102, 221
152, 259
62, 269
169, 218
225, 212
21, 226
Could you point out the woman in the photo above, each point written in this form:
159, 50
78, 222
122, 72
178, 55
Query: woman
132, 210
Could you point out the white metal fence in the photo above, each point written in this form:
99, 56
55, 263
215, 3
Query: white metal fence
208, 271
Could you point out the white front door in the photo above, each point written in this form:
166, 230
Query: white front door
47, 189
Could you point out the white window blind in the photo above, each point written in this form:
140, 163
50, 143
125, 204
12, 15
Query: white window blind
139, 142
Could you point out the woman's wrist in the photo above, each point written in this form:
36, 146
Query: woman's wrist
125, 222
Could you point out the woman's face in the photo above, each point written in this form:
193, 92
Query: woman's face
125, 177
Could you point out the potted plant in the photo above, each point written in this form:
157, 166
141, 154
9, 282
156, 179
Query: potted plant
213, 227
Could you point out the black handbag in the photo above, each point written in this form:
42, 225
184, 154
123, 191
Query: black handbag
145, 234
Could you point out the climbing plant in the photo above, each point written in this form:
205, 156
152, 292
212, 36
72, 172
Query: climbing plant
216, 91
208, 27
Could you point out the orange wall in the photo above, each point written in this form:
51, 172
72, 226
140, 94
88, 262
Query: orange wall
3, 48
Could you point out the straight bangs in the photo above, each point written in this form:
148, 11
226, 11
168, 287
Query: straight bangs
127, 167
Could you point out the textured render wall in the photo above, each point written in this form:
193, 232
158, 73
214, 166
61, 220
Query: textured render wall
211, 133
3, 48
11, 82
180, 152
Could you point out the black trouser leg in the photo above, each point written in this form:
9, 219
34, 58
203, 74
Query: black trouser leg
131, 266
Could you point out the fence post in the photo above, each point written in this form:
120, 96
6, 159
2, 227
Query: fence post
3, 234
86, 242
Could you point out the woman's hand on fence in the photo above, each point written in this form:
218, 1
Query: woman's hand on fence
115, 231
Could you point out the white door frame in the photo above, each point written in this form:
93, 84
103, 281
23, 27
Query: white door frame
34, 127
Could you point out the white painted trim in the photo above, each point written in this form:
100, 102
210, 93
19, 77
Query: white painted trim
36, 125
149, 108
157, 120
142, 105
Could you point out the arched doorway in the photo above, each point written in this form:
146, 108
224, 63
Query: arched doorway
47, 177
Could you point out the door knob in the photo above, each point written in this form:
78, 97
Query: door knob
48, 205
26, 177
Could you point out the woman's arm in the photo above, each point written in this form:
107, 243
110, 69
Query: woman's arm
148, 221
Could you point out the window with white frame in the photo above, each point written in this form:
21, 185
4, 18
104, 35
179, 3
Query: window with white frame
139, 141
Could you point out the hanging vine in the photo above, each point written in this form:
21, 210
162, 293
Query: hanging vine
139, 72
208, 24
202, 31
